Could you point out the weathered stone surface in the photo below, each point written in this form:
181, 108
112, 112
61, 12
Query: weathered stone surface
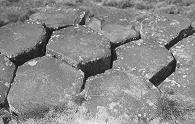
181, 84
117, 25
163, 28
146, 60
116, 33
110, 14
43, 83
57, 18
22, 42
122, 96
13, 14
7, 71
190, 13
82, 48
171, 109
182, 81
184, 52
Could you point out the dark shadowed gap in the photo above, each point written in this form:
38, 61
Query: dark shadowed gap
182, 34
94, 67
113, 54
38, 51
166, 71
115, 45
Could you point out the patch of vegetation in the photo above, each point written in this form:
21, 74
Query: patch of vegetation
170, 109
118, 3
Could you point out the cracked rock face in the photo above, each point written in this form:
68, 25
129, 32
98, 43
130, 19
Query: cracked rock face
119, 95
43, 83
181, 83
117, 25
184, 52
82, 48
22, 42
162, 28
183, 77
144, 59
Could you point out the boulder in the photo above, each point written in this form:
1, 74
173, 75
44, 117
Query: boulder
82, 48
44, 83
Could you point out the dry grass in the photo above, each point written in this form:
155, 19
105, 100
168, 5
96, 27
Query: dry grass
174, 110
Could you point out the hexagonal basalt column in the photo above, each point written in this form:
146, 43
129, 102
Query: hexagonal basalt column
117, 25
56, 18
122, 96
118, 34
165, 29
152, 62
82, 48
22, 42
43, 83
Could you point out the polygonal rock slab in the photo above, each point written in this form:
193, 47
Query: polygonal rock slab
152, 62
7, 72
117, 33
120, 95
111, 14
43, 83
181, 82
184, 52
182, 85
117, 25
22, 42
82, 48
163, 28
57, 18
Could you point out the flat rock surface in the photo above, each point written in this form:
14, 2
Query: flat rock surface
110, 14
184, 52
116, 33
43, 83
7, 72
123, 96
56, 18
181, 82
162, 28
145, 59
80, 45
20, 41
117, 25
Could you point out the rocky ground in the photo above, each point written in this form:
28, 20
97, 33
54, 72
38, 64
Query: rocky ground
97, 61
